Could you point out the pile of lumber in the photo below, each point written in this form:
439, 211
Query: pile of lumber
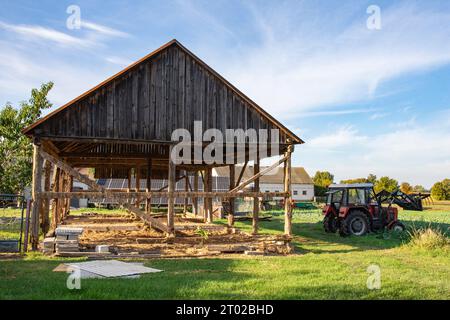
66, 240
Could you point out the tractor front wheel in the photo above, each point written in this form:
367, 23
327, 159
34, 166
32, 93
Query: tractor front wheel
397, 226
356, 223
330, 223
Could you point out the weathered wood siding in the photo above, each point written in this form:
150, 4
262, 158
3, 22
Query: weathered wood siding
169, 91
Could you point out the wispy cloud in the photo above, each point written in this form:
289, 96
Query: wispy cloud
119, 61
104, 30
321, 113
290, 72
378, 115
36, 32
89, 39
341, 137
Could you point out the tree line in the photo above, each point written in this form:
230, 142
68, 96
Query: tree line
439, 191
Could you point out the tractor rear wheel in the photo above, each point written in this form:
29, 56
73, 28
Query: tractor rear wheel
330, 223
356, 223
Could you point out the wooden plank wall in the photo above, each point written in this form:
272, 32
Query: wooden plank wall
153, 99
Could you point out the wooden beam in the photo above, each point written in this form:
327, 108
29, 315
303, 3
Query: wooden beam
148, 200
67, 168
186, 186
231, 201
208, 202
55, 202
255, 200
195, 199
152, 222
256, 176
287, 190
45, 206
164, 194
106, 140
36, 189
241, 174
138, 185
171, 200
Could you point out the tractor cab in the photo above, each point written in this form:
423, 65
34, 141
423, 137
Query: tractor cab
355, 209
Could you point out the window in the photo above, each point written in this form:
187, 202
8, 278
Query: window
277, 191
356, 196
295, 192
267, 191
304, 192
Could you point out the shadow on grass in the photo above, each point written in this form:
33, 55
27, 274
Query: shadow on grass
180, 279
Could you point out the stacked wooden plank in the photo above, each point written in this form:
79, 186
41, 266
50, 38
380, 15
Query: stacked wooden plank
67, 239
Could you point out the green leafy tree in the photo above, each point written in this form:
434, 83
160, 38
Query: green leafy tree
322, 179
386, 183
441, 190
406, 188
419, 188
371, 178
15, 148
357, 180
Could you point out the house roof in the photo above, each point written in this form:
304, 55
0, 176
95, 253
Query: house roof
275, 176
290, 134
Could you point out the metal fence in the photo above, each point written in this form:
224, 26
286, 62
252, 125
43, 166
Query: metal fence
12, 222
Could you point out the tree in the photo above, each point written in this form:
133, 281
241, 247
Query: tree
371, 178
419, 189
441, 190
15, 148
405, 187
322, 179
357, 180
386, 183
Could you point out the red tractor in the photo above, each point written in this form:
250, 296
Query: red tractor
355, 209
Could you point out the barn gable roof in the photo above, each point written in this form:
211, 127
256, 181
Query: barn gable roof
294, 139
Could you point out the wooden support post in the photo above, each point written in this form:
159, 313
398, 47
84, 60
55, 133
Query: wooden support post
45, 207
287, 189
171, 200
36, 189
55, 188
231, 201
27, 226
62, 185
208, 201
195, 199
255, 200
148, 201
138, 185
69, 189
129, 182
186, 186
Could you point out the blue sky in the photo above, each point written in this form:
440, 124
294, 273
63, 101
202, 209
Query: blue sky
365, 101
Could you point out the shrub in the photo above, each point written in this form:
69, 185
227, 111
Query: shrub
428, 238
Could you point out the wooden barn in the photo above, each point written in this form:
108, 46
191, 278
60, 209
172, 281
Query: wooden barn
123, 128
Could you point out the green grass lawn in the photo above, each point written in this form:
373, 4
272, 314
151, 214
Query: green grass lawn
325, 266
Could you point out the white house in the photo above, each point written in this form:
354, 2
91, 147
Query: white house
301, 183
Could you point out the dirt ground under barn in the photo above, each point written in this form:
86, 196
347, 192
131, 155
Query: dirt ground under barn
127, 235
